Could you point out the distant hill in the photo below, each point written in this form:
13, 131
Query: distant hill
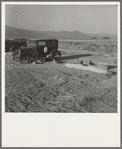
11, 32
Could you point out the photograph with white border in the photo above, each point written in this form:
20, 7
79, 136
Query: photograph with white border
60, 72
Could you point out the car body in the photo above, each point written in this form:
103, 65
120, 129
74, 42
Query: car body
8, 44
24, 42
20, 42
50, 44
43, 48
14, 44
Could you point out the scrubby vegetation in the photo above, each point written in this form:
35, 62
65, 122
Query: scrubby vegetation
106, 46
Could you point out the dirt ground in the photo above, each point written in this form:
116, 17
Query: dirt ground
51, 87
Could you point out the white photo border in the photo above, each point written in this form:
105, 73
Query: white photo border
59, 130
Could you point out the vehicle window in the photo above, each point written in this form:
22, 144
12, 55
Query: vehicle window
41, 43
50, 43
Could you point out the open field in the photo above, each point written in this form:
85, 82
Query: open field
51, 87
100, 46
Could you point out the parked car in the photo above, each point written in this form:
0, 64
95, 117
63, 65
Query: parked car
46, 48
20, 42
16, 44
24, 42
8, 44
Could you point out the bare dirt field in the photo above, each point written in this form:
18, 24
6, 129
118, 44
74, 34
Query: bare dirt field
51, 87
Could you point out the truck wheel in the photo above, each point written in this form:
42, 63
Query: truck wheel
24, 58
34, 54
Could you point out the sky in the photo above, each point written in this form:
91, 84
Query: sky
92, 19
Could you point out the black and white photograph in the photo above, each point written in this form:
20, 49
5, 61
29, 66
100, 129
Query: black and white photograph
61, 58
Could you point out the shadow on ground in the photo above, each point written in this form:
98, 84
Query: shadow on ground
74, 56
111, 67
112, 73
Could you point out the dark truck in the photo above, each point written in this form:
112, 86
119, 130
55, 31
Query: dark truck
24, 42
12, 45
46, 48
20, 43
8, 44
